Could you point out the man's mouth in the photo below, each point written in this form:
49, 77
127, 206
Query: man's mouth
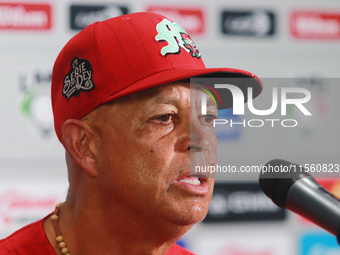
193, 184
191, 180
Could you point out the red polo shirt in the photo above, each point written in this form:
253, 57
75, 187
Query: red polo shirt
32, 240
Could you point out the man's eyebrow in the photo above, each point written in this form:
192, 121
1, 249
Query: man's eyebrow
164, 100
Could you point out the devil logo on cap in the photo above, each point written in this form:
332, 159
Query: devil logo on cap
176, 37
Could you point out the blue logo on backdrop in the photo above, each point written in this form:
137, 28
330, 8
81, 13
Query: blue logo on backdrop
319, 244
228, 133
183, 243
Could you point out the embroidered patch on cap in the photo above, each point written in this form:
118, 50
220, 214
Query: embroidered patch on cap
176, 37
78, 79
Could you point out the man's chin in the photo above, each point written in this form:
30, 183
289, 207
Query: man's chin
189, 216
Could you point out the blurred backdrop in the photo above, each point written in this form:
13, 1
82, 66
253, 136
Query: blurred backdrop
273, 39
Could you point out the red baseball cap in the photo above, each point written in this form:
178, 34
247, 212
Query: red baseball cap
123, 55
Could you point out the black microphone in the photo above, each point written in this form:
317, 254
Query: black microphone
290, 186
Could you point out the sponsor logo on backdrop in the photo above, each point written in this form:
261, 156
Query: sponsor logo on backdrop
239, 249
17, 207
24, 202
315, 25
192, 20
84, 15
319, 244
35, 102
242, 202
25, 16
331, 185
238, 241
256, 23
183, 242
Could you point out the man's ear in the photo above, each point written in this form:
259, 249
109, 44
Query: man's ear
80, 141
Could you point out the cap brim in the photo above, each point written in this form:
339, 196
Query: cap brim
240, 78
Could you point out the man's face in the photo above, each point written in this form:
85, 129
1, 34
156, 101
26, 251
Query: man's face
147, 143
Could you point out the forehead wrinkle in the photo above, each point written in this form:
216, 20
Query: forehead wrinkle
210, 102
171, 94
163, 100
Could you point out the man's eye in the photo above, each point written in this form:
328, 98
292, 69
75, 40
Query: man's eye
208, 119
165, 118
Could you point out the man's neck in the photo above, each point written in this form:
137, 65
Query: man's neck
90, 231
